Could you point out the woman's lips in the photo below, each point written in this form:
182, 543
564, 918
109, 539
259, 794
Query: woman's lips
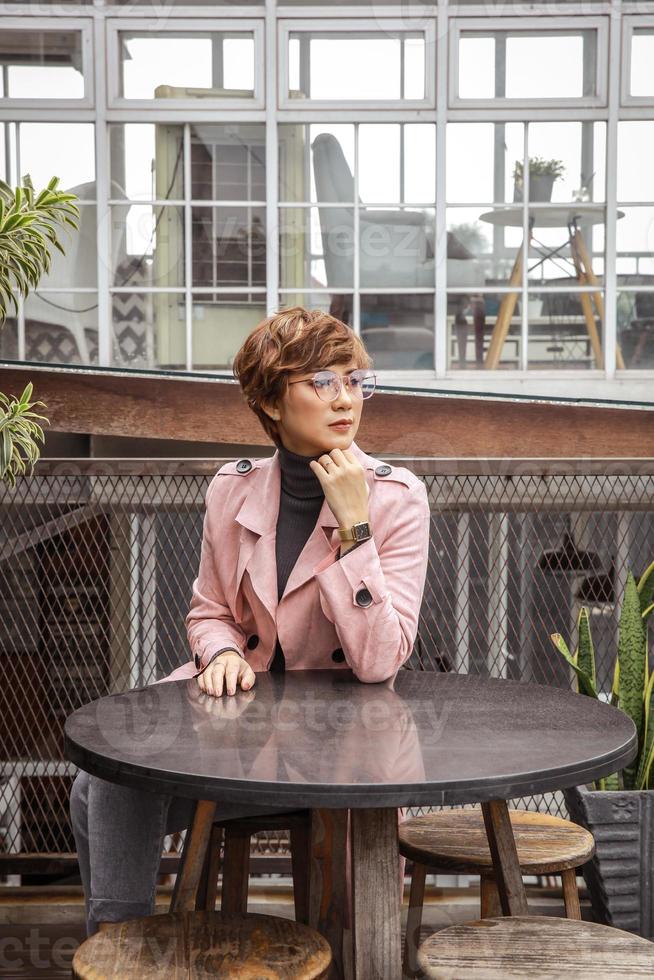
340, 425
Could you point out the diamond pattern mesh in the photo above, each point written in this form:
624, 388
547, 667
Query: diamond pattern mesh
97, 561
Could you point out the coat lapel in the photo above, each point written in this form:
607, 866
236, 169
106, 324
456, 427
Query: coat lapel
258, 519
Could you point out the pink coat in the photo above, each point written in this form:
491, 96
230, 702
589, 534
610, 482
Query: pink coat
360, 611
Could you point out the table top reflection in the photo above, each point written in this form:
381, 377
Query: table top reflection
323, 739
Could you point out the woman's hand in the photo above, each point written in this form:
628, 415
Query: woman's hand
344, 484
229, 669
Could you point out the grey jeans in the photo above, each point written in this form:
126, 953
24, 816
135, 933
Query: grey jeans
119, 834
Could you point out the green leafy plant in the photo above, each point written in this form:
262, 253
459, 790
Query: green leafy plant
20, 434
632, 690
28, 231
539, 167
29, 227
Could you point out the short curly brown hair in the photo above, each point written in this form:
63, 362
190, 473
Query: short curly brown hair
290, 341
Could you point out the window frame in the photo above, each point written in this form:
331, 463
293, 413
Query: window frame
183, 25
352, 26
628, 25
83, 25
530, 26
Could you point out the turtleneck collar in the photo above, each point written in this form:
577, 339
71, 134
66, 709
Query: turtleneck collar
298, 479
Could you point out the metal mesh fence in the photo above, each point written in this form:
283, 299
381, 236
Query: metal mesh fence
97, 560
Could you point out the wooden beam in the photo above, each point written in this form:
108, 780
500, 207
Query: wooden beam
405, 423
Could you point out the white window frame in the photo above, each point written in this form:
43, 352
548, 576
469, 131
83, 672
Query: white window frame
628, 25
349, 27
183, 25
82, 25
530, 25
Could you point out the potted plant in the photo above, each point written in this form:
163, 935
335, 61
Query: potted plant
542, 174
28, 230
619, 810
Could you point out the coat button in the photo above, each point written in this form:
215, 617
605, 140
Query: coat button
363, 597
253, 641
338, 656
383, 470
244, 466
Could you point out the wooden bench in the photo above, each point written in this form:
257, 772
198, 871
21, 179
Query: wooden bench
455, 842
536, 946
199, 945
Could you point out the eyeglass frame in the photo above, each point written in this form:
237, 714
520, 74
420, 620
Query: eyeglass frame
341, 379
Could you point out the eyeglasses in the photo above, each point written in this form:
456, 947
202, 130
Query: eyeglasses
327, 384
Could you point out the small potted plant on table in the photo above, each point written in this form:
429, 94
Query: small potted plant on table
619, 810
542, 174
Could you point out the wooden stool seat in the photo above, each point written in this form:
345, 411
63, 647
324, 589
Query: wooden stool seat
199, 945
455, 840
534, 945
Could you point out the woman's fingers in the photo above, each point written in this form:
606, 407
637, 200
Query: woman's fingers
231, 676
247, 677
228, 673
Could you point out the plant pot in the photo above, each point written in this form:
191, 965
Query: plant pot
620, 875
540, 188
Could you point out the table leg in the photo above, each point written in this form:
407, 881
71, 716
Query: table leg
503, 850
192, 860
327, 886
505, 312
583, 263
376, 900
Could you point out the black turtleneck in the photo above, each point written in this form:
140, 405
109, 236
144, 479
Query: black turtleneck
300, 503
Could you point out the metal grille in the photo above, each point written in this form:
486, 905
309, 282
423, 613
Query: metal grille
97, 560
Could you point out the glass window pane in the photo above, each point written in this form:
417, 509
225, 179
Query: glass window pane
634, 173
229, 247
147, 245
481, 247
396, 247
379, 162
419, 163
45, 151
635, 242
380, 66
186, 65
41, 64
398, 330
567, 162
517, 64
641, 82
565, 330
220, 325
470, 319
480, 159
228, 161
316, 247
148, 330
635, 314
61, 328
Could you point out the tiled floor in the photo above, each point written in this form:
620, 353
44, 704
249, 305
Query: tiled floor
39, 933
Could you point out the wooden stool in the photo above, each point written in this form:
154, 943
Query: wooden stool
534, 945
455, 842
198, 945
236, 861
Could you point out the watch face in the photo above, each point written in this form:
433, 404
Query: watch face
361, 531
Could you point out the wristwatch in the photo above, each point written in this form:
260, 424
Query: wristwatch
358, 532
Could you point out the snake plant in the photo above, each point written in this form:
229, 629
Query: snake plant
632, 690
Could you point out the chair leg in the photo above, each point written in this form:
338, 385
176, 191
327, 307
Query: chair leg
490, 897
236, 871
414, 920
208, 887
571, 894
301, 869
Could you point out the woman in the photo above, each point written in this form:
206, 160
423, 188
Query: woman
315, 557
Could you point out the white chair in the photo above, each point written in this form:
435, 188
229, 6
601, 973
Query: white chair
78, 268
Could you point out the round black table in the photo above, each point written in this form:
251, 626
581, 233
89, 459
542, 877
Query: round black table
325, 741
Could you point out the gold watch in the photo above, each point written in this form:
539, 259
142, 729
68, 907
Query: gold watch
358, 532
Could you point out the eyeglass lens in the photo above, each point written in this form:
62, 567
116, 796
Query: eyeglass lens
328, 385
